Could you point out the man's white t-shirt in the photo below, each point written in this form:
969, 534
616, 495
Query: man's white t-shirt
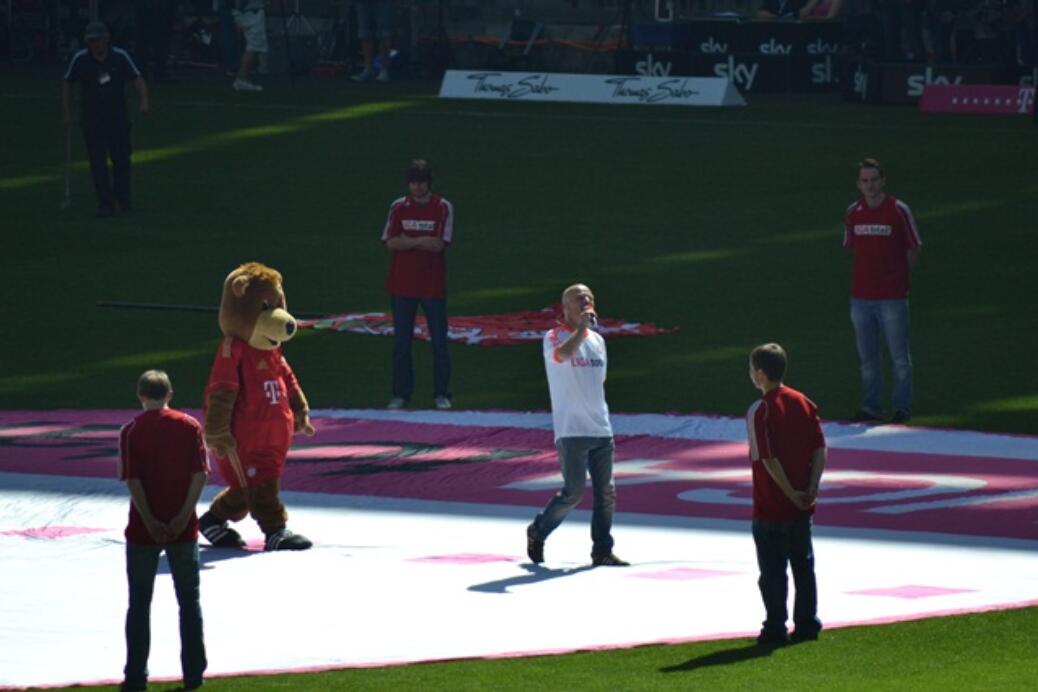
577, 386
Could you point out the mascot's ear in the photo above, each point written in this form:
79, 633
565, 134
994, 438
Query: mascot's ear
239, 284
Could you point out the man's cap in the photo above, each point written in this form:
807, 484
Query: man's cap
95, 30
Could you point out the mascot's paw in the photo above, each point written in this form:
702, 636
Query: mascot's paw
283, 539
218, 533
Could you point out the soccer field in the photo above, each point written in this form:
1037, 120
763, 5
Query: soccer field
724, 223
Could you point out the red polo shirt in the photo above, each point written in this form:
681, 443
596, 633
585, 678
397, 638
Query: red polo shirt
782, 425
419, 273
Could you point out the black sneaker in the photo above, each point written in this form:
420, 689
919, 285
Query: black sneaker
104, 212
608, 560
772, 638
534, 546
218, 533
900, 417
803, 636
865, 416
283, 539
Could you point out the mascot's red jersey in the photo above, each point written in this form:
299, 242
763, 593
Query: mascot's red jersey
262, 423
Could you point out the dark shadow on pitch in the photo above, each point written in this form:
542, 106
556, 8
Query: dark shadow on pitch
724, 657
536, 574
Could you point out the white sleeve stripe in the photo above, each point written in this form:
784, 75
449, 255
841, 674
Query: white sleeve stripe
120, 51
448, 222
392, 207
751, 431
906, 214
79, 54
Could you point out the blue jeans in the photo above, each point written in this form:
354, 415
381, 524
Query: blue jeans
870, 319
142, 563
404, 311
780, 543
579, 457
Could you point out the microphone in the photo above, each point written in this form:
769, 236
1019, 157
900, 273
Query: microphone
592, 319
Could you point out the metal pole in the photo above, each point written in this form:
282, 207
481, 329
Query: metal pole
129, 305
288, 46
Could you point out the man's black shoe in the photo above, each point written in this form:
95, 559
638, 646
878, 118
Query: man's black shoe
900, 417
864, 416
768, 638
103, 212
534, 546
608, 560
807, 636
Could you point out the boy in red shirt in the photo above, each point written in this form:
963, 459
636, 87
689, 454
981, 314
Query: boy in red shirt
162, 458
788, 453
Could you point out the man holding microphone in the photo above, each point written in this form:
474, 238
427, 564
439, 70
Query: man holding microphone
575, 361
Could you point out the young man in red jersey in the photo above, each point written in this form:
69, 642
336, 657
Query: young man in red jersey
162, 458
787, 450
881, 232
418, 231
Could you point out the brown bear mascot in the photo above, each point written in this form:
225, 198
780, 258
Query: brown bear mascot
253, 405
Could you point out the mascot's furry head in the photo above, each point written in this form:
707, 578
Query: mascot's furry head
253, 307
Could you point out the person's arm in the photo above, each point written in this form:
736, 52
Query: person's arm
569, 347
179, 522
818, 461
427, 243
156, 528
805, 11
142, 94
66, 103
778, 474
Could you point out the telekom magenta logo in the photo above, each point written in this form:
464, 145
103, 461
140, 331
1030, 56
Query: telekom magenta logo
273, 391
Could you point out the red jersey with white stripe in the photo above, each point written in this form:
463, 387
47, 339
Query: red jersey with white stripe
163, 449
880, 239
782, 425
419, 273
262, 422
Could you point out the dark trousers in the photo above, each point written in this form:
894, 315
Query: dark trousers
104, 142
404, 311
780, 543
142, 563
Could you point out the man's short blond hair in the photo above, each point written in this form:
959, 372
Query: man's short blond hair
154, 385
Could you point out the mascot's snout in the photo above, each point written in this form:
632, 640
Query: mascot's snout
273, 328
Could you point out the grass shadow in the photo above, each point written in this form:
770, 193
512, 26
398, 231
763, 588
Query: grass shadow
724, 657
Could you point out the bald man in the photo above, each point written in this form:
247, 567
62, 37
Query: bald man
575, 361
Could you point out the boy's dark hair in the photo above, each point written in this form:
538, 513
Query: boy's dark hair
771, 358
154, 385
871, 163
419, 170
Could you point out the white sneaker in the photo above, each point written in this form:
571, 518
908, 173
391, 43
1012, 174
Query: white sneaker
246, 85
442, 403
366, 75
383, 75
396, 403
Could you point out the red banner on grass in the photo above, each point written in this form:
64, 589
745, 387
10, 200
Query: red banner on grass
481, 330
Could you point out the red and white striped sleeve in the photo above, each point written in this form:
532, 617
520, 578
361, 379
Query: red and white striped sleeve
392, 228
126, 470
448, 221
912, 238
757, 431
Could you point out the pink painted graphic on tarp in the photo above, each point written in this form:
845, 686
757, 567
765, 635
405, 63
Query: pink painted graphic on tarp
52, 532
912, 591
899, 491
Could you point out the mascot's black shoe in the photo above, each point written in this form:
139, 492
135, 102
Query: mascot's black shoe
218, 533
283, 539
